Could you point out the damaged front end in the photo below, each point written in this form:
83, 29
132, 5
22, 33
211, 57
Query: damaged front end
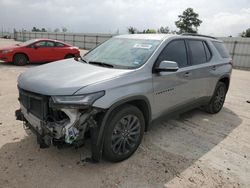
58, 119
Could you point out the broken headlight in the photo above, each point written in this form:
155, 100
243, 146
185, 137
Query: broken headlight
75, 101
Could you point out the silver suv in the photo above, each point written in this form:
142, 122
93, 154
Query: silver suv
113, 92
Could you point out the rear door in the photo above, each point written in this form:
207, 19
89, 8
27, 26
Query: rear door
201, 65
172, 89
51, 51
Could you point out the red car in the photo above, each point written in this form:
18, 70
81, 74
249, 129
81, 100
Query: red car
38, 50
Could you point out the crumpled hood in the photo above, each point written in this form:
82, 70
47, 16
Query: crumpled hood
65, 77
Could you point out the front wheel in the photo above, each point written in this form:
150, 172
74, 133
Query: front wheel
20, 59
124, 133
218, 99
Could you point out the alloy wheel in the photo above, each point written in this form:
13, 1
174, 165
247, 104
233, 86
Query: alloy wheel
125, 135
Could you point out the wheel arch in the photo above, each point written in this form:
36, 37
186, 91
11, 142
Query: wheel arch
226, 80
141, 102
22, 53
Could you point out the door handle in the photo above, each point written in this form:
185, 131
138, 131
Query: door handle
214, 67
187, 74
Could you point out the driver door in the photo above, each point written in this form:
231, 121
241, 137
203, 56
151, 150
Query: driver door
42, 52
172, 89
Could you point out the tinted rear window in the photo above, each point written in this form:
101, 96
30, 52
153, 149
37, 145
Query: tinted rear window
221, 49
198, 54
58, 44
50, 44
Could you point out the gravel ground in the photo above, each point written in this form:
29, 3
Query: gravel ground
194, 150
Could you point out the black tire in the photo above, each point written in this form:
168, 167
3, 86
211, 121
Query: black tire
124, 133
20, 59
217, 101
69, 56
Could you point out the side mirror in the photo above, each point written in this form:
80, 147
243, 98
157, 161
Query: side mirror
167, 66
77, 58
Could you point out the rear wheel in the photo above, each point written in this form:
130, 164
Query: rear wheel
69, 56
20, 59
124, 133
218, 99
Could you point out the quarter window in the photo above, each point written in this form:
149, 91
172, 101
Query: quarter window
175, 51
58, 44
197, 52
221, 49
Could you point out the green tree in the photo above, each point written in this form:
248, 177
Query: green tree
34, 29
149, 31
64, 29
43, 30
132, 30
57, 30
164, 30
246, 33
188, 22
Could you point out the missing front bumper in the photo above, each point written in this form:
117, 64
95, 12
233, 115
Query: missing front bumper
67, 131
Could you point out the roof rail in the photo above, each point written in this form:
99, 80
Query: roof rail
198, 35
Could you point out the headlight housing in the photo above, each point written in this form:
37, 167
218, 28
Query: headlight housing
75, 101
6, 51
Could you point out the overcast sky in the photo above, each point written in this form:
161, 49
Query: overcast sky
220, 17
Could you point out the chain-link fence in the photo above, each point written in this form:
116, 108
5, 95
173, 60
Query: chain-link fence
239, 49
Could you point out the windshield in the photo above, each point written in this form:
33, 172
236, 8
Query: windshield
123, 52
28, 42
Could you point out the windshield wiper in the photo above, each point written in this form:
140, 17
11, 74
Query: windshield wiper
101, 64
96, 63
83, 59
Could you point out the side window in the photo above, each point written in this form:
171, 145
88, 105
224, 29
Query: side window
50, 44
208, 52
41, 44
58, 44
197, 52
174, 51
